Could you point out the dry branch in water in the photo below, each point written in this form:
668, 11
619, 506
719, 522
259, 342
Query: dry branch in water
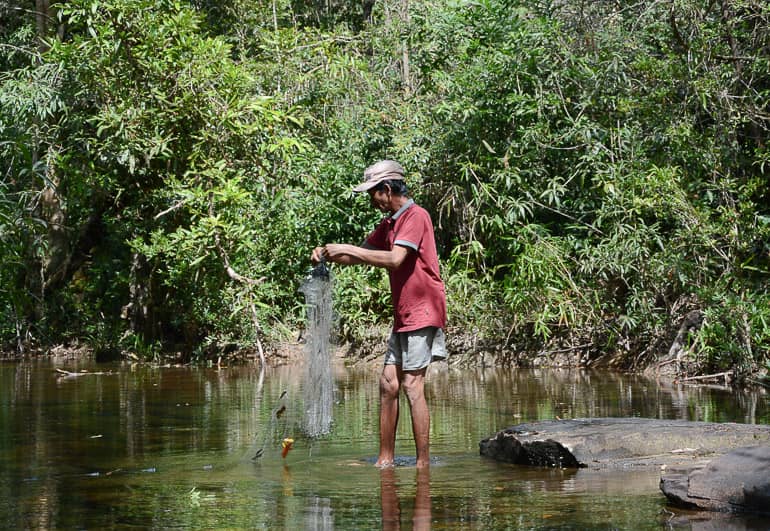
74, 374
708, 376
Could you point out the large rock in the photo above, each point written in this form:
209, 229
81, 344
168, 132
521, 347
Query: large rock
610, 442
738, 481
505, 447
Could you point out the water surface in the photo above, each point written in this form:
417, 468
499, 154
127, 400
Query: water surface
147, 447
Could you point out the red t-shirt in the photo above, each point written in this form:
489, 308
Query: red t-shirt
418, 293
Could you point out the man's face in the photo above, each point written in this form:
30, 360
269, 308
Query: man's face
380, 199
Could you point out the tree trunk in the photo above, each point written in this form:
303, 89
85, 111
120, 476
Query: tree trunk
139, 310
406, 74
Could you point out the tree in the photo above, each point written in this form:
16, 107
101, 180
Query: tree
154, 172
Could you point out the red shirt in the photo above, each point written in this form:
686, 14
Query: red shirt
418, 293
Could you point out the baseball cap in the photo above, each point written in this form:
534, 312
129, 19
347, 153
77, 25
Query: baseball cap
378, 172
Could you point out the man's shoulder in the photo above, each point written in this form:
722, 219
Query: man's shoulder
416, 210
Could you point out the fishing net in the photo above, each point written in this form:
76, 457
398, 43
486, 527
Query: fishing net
318, 388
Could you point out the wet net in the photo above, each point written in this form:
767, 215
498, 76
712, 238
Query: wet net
319, 383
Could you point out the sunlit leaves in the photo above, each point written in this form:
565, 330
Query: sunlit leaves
617, 143
592, 169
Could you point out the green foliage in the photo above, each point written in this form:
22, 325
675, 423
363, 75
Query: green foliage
361, 300
736, 331
596, 214
165, 161
594, 171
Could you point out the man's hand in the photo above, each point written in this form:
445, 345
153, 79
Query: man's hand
340, 253
317, 255
337, 252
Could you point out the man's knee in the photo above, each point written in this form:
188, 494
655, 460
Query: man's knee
414, 387
389, 383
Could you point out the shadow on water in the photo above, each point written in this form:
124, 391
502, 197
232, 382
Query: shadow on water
172, 447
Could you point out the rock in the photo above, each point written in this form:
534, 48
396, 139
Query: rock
619, 442
738, 481
549, 453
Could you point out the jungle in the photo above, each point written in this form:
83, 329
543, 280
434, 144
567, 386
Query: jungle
598, 174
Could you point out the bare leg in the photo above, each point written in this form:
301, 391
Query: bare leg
414, 384
389, 389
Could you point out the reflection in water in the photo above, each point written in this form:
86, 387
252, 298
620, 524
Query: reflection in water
422, 514
391, 509
137, 447
319, 514
391, 504
288, 488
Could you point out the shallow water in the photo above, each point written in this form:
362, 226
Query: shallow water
172, 447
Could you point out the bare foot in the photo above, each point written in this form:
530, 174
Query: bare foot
384, 463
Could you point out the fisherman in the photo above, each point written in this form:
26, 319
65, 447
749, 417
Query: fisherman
404, 244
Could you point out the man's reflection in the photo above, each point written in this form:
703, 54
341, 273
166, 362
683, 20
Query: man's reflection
391, 507
391, 511
422, 513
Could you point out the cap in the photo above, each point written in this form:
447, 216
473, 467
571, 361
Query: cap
378, 172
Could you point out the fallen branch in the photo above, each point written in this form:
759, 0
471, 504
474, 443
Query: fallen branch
757, 382
666, 362
708, 376
83, 373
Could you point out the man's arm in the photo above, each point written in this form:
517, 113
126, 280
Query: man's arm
342, 253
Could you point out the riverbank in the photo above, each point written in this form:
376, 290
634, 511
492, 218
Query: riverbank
467, 350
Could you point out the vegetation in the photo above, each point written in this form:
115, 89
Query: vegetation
597, 172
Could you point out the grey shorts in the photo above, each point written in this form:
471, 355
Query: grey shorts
416, 349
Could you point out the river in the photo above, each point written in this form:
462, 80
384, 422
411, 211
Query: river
134, 446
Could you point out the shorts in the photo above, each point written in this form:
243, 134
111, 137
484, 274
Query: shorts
415, 350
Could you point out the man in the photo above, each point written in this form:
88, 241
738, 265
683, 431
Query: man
405, 245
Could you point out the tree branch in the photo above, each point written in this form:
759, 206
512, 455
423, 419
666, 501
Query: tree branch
171, 209
232, 273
